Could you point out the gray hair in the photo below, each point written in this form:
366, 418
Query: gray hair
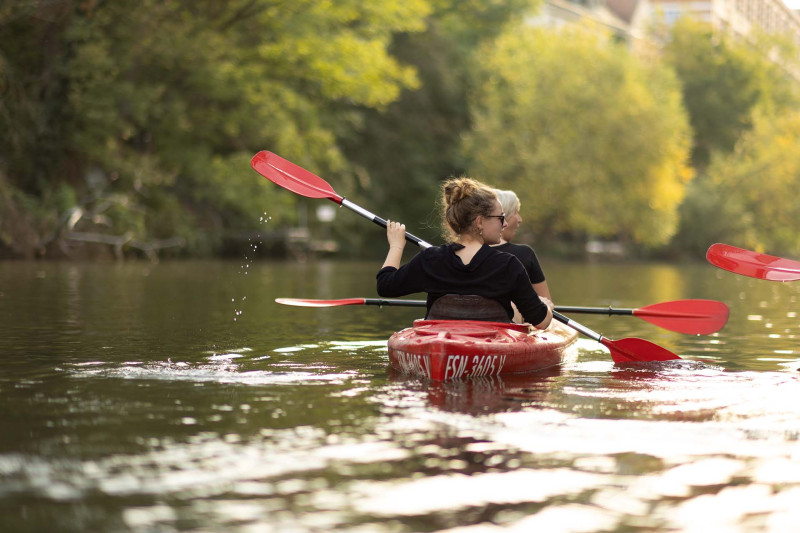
509, 201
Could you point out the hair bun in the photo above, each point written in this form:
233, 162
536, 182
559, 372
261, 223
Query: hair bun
457, 189
464, 199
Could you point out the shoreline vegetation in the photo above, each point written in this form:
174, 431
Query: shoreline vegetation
126, 128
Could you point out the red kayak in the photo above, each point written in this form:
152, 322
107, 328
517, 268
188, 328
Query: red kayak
442, 350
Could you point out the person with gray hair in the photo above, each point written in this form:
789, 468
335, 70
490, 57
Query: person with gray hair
527, 256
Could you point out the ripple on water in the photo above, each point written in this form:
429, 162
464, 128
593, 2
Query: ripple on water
232, 367
593, 446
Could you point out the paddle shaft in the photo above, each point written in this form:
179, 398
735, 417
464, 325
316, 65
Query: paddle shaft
398, 303
422, 303
594, 310
380, 222
563, 309
300, 181
580, 328
693, 317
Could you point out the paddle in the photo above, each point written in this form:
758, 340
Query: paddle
307, 302
628, 350
752, 264
302, 182
694, 317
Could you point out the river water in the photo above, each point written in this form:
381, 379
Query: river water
180, 397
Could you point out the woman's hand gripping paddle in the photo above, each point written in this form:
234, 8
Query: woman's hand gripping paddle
300, 181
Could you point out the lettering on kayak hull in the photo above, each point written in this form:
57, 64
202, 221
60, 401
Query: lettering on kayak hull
414, 364
444, 350
482, 365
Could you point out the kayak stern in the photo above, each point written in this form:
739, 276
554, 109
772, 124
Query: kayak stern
443, 350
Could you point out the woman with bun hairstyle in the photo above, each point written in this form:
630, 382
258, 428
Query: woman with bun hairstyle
467, 265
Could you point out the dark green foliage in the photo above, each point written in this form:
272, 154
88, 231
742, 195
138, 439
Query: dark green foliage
148, 111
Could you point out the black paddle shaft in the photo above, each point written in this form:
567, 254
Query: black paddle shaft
381, 222
595, 310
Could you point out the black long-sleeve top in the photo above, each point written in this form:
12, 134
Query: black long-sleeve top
491, 274
527, 257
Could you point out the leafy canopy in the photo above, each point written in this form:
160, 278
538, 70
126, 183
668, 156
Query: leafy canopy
724, 81
165, 101
593, 140
758, 182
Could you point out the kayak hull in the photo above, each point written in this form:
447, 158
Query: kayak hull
442, 350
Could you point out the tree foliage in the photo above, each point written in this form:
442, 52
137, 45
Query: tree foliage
726, 84
168, 99
724, 81
136, 120
593, 140
405, 151
757, 183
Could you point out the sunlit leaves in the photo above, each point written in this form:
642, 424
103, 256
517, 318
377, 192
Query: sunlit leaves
178, 94
404, 151
724, 81
592, 139
726, 84
761, 178
339, 48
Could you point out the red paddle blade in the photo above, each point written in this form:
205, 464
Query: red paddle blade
291, 177
753, 264
695, 317
633, 350
299, 302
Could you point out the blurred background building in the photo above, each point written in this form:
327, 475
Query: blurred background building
634, 20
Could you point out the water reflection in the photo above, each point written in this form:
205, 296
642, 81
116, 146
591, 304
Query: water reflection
132, 400
483, 395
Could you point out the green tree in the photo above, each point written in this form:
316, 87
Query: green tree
593, 140
164, 102
724, 80
406, 150
725, 84
757, 184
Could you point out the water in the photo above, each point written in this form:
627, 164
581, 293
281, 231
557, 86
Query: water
180, 397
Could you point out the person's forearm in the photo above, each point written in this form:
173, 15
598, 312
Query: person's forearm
542, 289
394, 257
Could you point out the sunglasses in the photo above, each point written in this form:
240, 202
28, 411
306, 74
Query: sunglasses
501, 217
